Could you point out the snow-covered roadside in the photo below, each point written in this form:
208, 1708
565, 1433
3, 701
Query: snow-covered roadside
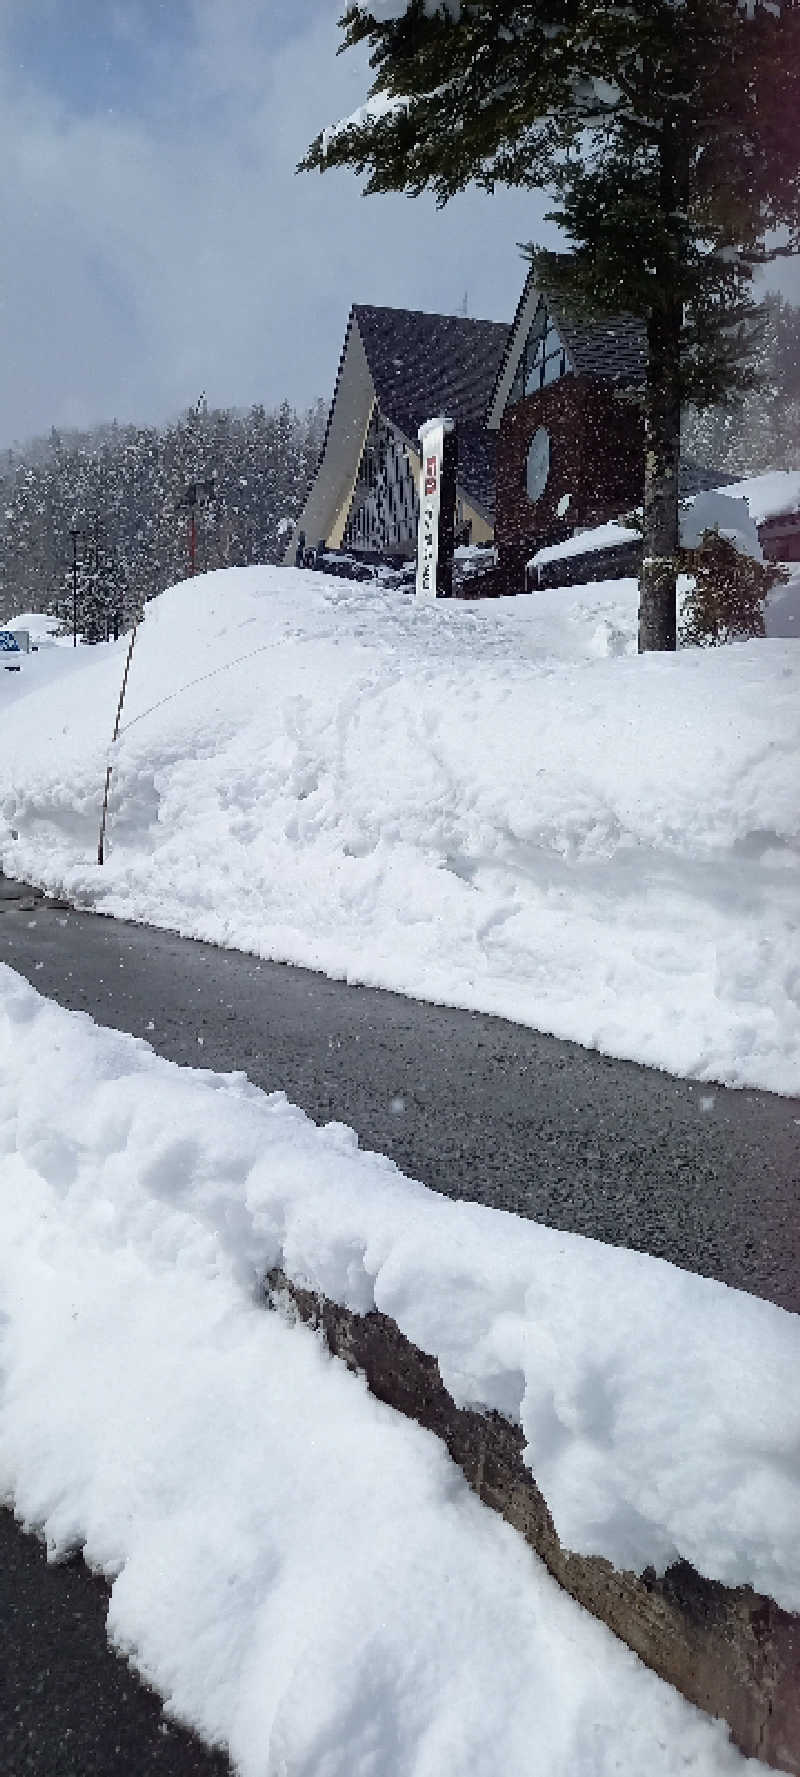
660, 1409
491, 806
302, 1574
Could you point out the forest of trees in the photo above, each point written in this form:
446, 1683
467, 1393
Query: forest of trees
123, 490
762, 430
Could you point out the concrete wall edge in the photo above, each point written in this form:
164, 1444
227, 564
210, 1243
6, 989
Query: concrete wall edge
730, 1651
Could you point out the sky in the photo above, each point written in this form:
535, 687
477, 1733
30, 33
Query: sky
158, 243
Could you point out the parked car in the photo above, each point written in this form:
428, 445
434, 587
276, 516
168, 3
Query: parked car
10, 651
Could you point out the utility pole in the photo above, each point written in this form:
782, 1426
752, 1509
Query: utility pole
198, 493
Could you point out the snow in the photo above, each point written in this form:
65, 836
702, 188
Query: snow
767, 496
601, 536
770, 495
384, 10
721, 512
40, 628
379, 106
490, 805
783, 608
301, 1573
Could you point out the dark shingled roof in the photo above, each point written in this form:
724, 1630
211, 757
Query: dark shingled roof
611, 346
614, 346
426, 365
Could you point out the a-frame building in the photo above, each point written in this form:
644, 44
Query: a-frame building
398, 368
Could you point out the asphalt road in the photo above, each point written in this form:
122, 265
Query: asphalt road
68, 1707
477, 1108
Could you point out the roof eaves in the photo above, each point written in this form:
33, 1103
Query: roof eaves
492, 418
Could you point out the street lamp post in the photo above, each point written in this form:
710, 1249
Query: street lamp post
198, 493
74, 535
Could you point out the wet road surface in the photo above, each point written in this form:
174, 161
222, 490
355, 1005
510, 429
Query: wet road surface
475, 1107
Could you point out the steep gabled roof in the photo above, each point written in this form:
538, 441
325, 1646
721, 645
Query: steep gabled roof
424, 365
614, 346
414, 366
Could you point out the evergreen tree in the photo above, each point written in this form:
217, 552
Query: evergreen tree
729, 592
259, 463
93, 590
761, 428
668, 136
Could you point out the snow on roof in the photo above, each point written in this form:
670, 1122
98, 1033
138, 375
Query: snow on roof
728, 514
769, 495
602, 536
37, 623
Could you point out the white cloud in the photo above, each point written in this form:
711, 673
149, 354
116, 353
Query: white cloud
173, 249
168, 248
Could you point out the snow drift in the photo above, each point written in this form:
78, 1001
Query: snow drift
660, 1408
495, 806
301, 1573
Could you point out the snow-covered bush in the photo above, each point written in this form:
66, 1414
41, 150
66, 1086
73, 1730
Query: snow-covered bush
730, 590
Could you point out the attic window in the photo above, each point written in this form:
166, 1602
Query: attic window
543, 358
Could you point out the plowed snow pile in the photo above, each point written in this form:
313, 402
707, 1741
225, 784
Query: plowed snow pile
495, 806
301, 1572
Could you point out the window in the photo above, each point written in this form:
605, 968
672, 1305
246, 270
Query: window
543, 359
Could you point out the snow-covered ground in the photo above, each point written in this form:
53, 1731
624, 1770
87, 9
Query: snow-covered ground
492, 805
302, 1574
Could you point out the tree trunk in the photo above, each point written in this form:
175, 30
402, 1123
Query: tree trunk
658, 583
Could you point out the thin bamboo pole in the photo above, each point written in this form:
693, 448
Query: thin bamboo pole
115, 736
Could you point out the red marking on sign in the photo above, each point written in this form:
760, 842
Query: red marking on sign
430, 475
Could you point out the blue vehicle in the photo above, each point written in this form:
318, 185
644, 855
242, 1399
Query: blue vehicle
10, 651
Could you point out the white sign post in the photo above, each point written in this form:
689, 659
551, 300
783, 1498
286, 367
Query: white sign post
431, 441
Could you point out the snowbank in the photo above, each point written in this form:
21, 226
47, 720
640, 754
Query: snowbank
660, 1408
301, 1573
491, 805
40, 627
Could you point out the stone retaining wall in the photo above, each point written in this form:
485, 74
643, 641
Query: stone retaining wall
733, 1653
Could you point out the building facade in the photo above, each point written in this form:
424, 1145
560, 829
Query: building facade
566, 413
399, 368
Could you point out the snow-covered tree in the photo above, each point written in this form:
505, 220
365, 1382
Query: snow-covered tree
135, 479
759, 429
728, 594
667, 134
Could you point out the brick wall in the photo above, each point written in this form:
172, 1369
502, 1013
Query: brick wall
596, 456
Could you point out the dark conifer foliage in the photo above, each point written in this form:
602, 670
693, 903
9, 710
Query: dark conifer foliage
123, 489
728, 596
667, 134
